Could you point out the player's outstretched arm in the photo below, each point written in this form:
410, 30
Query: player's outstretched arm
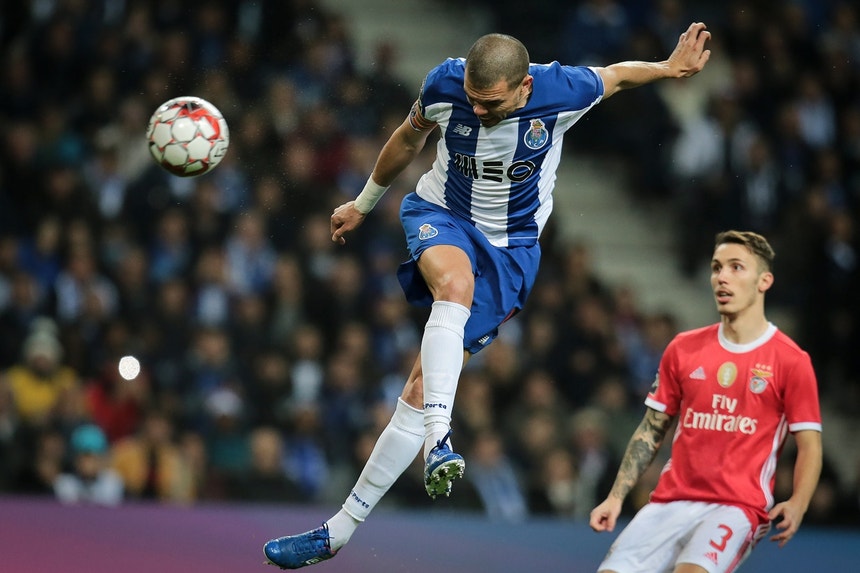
807, 469
641, 450
398, 152
687, 59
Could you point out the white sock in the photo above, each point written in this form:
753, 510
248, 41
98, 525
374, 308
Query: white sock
396, 448
441, 363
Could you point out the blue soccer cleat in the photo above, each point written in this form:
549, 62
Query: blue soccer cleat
442, 467
296, 551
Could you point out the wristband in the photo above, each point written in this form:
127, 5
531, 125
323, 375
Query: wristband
369, 196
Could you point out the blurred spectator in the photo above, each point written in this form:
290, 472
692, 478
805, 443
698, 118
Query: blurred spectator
39, 255
643, 357
495, 479
267, 392
151, 463
92, 480
12, 441
279, 220
212, 293
816, 113
308, 350
249, 328
207, 226
115, 403
134, 288
171, 252
394, 334
264, 480
168, 333
46, 456
40, 382
594, 33
210, 366
287, 299
224, 431
555, 489
596, 462
81, 290
344, 397
477, 411
250, 257
539, 398
759, 191
18, 317
613, 397
304, 457
538, 435
707, 155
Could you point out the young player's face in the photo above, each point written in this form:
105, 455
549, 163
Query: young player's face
736, 279
494, 104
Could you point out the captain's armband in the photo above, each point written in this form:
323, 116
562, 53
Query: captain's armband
417, 119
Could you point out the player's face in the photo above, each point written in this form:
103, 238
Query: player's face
494, 104
737, 282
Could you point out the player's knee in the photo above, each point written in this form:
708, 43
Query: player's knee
455, 287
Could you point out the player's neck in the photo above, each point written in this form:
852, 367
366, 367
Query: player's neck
743, 328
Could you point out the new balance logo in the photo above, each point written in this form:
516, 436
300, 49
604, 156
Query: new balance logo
463, 130
698, 374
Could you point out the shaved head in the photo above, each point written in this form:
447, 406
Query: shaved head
496, 57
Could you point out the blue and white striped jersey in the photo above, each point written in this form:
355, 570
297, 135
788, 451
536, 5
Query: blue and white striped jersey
501, 178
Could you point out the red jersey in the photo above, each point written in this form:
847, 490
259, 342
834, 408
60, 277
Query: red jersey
735, 405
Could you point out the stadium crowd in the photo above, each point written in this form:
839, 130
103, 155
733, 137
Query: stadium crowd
271, 357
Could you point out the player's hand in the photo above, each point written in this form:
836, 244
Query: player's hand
604, 516
791, 515
344, 219
690, 56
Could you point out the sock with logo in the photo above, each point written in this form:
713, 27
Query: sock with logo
396, 448
441, 363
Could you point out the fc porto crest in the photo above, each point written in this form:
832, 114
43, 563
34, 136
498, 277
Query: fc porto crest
537, 135
427, 231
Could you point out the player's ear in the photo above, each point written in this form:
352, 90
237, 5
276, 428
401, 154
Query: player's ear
526, 84
765, 281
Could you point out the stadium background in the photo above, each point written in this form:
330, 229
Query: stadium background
271, 358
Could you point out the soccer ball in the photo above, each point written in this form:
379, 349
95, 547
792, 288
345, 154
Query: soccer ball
188, 136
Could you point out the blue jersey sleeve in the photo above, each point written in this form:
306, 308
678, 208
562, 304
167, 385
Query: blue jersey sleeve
443, 84
566, 87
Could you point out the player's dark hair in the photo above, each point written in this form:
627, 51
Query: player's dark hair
497, 57
756, 244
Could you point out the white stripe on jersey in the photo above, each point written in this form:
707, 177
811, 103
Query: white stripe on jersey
489, 199
431, 185
769, 468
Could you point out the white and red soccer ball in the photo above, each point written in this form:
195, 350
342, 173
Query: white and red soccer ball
188, 136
